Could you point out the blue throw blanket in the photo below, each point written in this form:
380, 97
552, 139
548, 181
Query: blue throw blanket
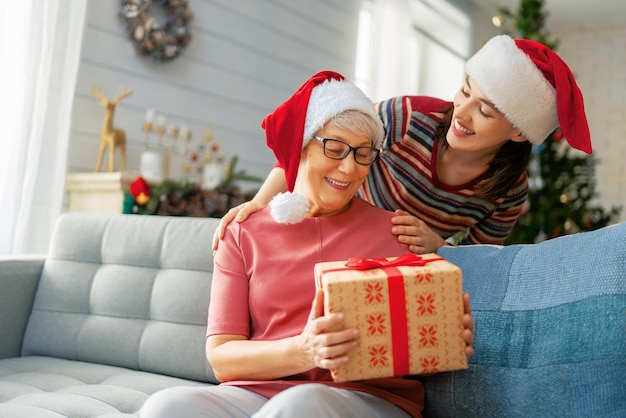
550, 330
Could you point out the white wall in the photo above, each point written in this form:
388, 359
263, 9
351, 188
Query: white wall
245, 58
597, 57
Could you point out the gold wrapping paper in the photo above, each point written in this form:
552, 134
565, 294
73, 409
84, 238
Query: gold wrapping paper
408, 316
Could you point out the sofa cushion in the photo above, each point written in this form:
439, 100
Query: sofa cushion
45, 387
550, 330
126, 290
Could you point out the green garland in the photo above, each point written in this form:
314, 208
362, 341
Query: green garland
172, 198
187, 198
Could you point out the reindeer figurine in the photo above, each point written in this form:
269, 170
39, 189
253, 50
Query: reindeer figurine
111, 137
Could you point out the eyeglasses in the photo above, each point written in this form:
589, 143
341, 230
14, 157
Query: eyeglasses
338, 150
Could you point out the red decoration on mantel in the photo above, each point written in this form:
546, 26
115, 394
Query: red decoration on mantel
140, 190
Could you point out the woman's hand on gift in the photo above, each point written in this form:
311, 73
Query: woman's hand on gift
415, 233
468, 323
323, 342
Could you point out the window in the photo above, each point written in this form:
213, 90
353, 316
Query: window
362, 72
441, 44
412, 47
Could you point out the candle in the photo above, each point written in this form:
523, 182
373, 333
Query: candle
160, 124
149, 115
173, 131
184, 131
212, 175
152, 167
172, 134
160, 128
184, 137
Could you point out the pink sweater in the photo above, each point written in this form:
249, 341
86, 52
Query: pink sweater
263, 285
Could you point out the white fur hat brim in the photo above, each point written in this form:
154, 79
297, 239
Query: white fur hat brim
332, 98
514, 84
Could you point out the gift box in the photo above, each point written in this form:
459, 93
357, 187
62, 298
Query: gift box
408, 311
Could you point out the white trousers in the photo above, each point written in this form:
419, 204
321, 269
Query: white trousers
312, 400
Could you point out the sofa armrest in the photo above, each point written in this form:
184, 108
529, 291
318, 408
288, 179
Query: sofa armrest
19, 277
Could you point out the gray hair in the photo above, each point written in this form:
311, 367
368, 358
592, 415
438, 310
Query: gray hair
358, 122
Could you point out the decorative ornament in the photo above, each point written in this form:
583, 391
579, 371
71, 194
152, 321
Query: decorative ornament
162, 38
111, 138
558, 135
140, 190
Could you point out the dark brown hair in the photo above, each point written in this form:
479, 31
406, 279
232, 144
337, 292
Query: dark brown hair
505, 168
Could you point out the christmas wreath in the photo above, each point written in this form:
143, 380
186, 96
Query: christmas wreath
163, 35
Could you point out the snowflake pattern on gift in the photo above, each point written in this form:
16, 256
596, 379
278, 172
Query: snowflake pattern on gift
379, 356
429, 364
374, 293
376, 324
424, 276
426, 304
428, 336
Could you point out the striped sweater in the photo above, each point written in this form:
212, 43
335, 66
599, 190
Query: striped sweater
404, 177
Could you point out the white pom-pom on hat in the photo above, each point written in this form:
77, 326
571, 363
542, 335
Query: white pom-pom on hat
289, 208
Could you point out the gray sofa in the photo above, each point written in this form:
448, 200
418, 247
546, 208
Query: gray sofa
117, 310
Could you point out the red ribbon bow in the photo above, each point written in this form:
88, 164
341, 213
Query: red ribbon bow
379, 263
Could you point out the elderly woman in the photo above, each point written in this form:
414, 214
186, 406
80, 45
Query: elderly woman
267, 336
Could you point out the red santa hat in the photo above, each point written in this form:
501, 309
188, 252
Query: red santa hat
533, 87
323, 96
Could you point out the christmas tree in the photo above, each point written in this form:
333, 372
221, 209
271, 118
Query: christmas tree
562, 183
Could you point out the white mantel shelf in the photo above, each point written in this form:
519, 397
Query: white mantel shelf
98, 192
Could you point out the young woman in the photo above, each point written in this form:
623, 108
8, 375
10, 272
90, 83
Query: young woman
450, 167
